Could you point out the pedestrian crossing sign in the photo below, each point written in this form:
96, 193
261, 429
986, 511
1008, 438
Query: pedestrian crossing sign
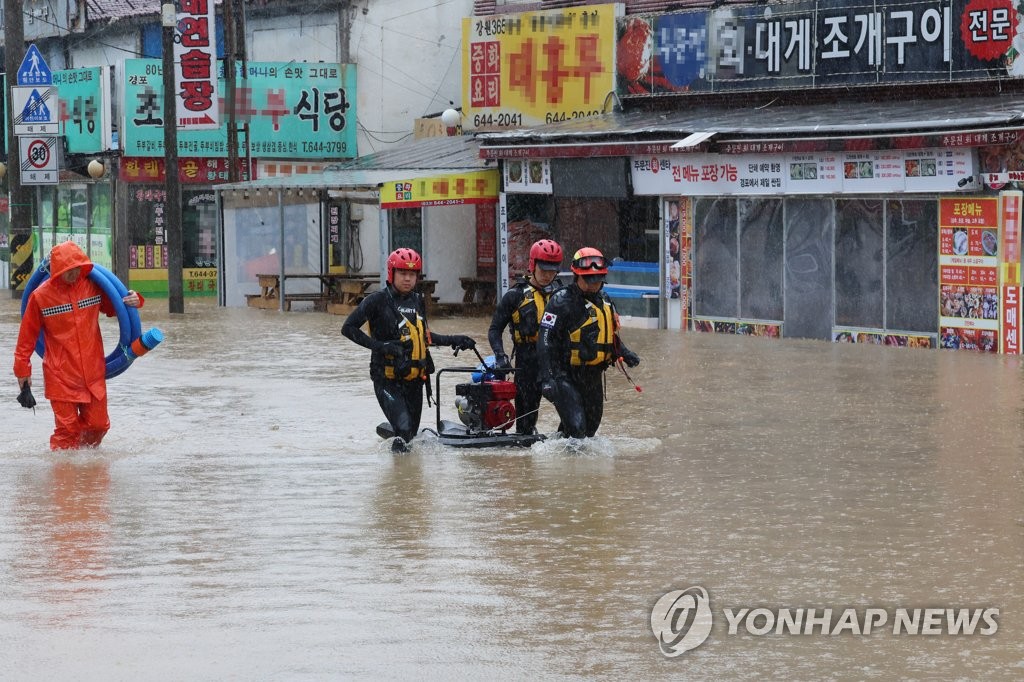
33, 69
35, 110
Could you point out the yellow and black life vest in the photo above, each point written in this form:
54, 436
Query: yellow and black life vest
526, 317
593, 342
413, 337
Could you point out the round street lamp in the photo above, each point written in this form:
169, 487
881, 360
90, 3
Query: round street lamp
451, 120
96, 169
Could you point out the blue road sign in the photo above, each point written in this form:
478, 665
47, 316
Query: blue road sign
33, 69
36, 110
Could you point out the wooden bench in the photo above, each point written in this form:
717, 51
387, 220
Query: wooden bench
319, 301
260, 301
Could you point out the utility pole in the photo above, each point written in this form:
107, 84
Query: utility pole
234, 53
172, 206
230, 52
20, 198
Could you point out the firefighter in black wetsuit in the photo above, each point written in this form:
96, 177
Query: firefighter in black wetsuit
400, 363
578, 341
520, 310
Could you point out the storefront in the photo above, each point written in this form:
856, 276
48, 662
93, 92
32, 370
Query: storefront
435, 195
577, 203
808, 169
881, 223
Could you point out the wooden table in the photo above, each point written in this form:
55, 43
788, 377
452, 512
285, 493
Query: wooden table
339, 293
347, 290
483, 288
339, 289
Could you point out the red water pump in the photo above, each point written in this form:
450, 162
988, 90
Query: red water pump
486, 405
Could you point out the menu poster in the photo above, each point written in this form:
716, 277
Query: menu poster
528, 176
931, 170
873, 172
969, 273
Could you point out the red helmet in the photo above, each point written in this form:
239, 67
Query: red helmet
545, 251
589, 261
403, 259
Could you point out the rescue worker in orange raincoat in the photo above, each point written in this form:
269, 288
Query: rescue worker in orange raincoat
66, 308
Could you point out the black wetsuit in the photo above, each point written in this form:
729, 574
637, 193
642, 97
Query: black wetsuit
578, 393
525, 354
400, 399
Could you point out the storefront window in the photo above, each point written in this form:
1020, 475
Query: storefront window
101, 224
639, 234
78, 211
715, 258
809, 250
860, 264
406, 228
761, 228
912, 265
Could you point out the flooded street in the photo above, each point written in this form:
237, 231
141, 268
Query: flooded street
243, 521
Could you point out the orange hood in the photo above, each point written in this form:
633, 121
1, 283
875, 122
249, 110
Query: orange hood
68, 255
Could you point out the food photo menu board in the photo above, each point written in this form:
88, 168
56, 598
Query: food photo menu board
969, 273
874, 172
528, 176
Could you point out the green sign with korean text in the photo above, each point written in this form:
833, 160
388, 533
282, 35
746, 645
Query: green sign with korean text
294, 111
84, 109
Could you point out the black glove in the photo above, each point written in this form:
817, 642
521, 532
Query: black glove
460, 342
25, 398
501, 361
630, 358
547, 389
392, 348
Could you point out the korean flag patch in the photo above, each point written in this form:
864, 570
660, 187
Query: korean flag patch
548, 320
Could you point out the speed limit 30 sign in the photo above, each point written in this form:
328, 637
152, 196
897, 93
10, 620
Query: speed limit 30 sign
38, 160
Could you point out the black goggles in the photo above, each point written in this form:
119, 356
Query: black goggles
591, 263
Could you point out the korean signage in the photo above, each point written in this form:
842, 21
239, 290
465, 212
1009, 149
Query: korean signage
293, 111
817, 43
195, 66
924, 170
191, 170
446, 190
48, 18
1010, 206
537, 67
85, 108
969, 273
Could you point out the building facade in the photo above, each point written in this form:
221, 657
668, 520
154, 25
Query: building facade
807, 169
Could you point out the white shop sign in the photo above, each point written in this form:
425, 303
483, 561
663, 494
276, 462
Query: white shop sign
875, 172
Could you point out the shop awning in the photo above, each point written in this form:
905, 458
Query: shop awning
427, 158
918, 123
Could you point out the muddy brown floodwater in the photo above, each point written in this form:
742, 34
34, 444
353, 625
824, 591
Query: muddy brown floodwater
243, 521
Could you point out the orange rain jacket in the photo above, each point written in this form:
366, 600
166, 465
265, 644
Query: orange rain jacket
74, 366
